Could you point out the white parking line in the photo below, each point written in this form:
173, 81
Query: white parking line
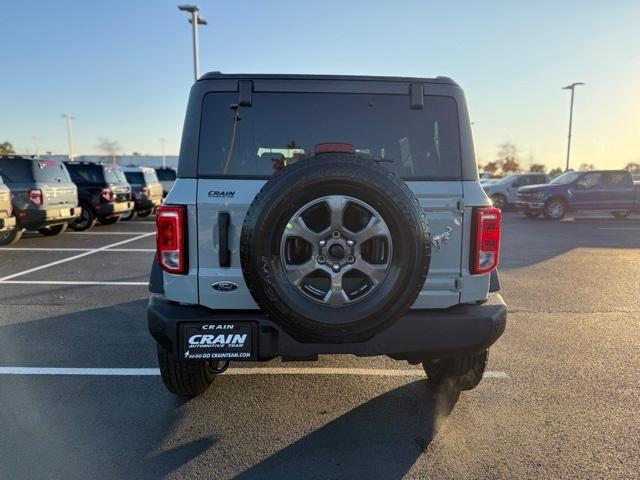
70, 249
75, 257
70, 282
142, 372
109, 233
619, 228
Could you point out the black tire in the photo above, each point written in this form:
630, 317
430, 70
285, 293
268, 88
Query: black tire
109, 220
555, 209
621, 215
126, 217
144, 213
462, 373
531, 214
10, 237
187, 379
499, 201
289, 190
54, 230
86, 221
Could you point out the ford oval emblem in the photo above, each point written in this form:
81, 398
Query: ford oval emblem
225, 286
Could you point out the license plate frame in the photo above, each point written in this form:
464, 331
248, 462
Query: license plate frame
212, 341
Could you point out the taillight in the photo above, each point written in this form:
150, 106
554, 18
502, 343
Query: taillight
171, 238
107, 194
334, 148
145, 191
486, 251
36, 197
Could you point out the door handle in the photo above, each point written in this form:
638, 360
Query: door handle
224, 255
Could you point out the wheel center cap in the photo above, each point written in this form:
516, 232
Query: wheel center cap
336, 251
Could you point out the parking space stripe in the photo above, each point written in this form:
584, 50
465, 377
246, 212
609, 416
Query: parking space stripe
71, 249
70, 282
75, 257
109, 233
618, 228
376, 372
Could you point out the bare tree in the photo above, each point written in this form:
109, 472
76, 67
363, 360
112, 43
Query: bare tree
633, 167
6, 148
508, 158
491, 167
538, 167
109, 147
555, 172
586, 166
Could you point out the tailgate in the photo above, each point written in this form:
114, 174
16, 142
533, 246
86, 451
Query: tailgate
5, 202
442, 202
63, 195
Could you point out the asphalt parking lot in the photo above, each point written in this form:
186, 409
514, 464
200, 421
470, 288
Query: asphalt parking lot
561, 398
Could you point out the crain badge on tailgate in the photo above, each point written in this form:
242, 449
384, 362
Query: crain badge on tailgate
225, 286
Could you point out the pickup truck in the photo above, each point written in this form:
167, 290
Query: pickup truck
503, 192
609, 190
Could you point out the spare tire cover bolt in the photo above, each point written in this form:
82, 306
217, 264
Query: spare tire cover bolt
321, 259
335, 234
336, 267
323, 243
350, 243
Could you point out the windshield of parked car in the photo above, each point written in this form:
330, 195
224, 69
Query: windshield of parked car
566, 178
166, 174
280, 129
507, 179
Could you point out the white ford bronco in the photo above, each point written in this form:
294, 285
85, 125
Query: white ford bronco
325, 215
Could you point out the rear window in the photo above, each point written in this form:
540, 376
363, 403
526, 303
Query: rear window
114, 174
86, 173
16, 170
283, 128
50, 171
167, 175
135, 178
150, 176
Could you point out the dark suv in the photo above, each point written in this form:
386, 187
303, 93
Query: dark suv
105, 194
146, 190
44, 197
7, 220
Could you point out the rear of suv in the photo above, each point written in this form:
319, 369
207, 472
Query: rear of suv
146, 190
43, 196
7, 220
325, 215
105, 194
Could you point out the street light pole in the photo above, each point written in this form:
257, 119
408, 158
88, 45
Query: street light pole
572, 88
164, 158
195, 20
68, 117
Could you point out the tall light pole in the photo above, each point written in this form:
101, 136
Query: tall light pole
572, 88
195, 20
68, 117
162, 141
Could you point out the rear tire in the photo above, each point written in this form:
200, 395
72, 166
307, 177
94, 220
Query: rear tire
144, 213
109, 220
621, 215
461, 373
128, 216
53, 231
187, 379
86, 221
10, 237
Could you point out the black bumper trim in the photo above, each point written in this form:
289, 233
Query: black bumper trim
456, 331
114, 208
34, 219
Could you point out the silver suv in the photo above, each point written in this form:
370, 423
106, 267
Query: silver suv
325, 215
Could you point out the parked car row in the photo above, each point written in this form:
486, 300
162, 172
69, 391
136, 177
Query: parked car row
596, 190
50, 196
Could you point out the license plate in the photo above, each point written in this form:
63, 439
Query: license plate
215, 341
65, 212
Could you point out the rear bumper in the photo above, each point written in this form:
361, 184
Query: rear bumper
8, 223
420, 334
114, 208
34, 219
146, 203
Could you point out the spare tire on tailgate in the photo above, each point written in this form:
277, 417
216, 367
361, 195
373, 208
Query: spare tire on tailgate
335, 248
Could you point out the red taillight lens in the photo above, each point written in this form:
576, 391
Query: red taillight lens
171, 238
36, 197
335, 148
107, 194
486, 252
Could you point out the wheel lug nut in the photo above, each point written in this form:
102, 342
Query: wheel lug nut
350, 243
335, 234
323, 243
336, 267
321, 259
351, 259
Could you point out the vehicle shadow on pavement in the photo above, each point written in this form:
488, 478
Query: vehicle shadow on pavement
382, 438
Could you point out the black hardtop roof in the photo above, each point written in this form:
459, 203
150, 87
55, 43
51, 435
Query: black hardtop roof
291, 76
24, 157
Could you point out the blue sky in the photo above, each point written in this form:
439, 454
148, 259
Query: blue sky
124, 68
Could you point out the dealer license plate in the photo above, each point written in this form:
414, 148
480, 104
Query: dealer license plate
214, 341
